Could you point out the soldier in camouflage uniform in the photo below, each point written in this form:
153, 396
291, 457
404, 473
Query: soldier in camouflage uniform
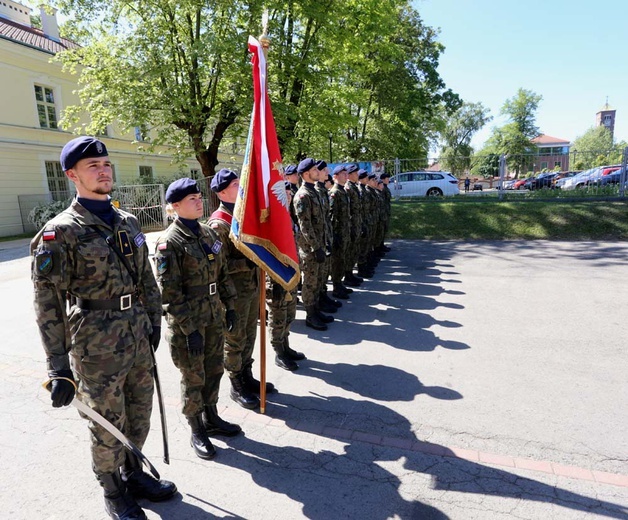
387, 209
365, 269
325, 303
355, 229
192, 273
240, 341
311, 240
98, 309
341, 231
376, 223
282, 309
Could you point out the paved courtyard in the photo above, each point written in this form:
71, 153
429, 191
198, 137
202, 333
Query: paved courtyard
466, 380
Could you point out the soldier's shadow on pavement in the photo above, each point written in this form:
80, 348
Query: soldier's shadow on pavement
350, 480
176, 508
379, 382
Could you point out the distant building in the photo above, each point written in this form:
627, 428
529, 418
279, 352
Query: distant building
606, 117
551, 152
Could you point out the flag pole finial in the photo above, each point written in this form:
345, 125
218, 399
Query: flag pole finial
264, 39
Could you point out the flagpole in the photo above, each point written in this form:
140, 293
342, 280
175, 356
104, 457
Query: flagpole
265, 42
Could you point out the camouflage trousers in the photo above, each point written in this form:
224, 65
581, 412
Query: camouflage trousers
282, 309
119, 386
323, 273
240, 342
200, 375
310, 269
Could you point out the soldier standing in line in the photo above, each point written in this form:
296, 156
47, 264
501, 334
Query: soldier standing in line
387, 209
282, 310
365, 269
341, 229
310, 240
240, 341
92, 258
325, 303
192, 274
376, 204
355, 231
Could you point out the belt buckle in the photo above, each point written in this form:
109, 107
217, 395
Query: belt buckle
212, 289
126, 301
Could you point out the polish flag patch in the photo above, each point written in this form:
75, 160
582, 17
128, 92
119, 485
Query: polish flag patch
162, 247
49, 235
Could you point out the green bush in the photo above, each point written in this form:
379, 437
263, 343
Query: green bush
42, 213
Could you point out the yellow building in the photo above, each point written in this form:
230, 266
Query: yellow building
33, 94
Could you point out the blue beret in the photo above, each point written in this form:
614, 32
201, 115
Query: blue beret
371, 176
222, 179
338, 169
291, 169
384, 176
321, 165
83, 147
180, 189
330, 178
352, 168
305, 165
362, 174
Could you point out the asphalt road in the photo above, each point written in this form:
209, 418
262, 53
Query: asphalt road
466, 380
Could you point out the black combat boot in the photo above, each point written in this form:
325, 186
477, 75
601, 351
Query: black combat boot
312, 320
252, 384
292, 354
119, 503
203, 447
214, 425
142, 485
339, 292
325, 306
323, 317
282, 360
333, 302
241, 394
350, 280
364, 271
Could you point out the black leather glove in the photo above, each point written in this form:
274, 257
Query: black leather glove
155, 337
195, 344
61, 391
232, 319
319, 255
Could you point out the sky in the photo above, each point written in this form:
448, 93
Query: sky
571, 52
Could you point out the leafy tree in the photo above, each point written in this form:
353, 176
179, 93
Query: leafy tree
456, 137
595, 148
364, 70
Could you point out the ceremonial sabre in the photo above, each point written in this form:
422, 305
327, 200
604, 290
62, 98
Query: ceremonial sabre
96, 417
162, 411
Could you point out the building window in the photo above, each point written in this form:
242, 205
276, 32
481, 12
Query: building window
57, 181
543, 165
46, 107
558, 163
607, 120
146, 173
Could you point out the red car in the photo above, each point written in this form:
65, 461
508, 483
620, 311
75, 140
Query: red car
518, 185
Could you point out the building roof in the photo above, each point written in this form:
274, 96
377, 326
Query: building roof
32, 37
548, 139
606, 108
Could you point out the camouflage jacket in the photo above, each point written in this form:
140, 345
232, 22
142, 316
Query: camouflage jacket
325, 203
355, 208
70, 260
237, 262
366, 206
309, 212
340, 220
388, 200
192, 274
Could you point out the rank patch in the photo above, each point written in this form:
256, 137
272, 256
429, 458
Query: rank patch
124, 243
44, 262
139, 239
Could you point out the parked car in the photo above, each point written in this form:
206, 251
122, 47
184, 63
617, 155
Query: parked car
579, 181
509, 184
544, 180
518, 185
611, 178
424, 184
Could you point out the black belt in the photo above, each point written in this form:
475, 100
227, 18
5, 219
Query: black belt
201, 290
117, 304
